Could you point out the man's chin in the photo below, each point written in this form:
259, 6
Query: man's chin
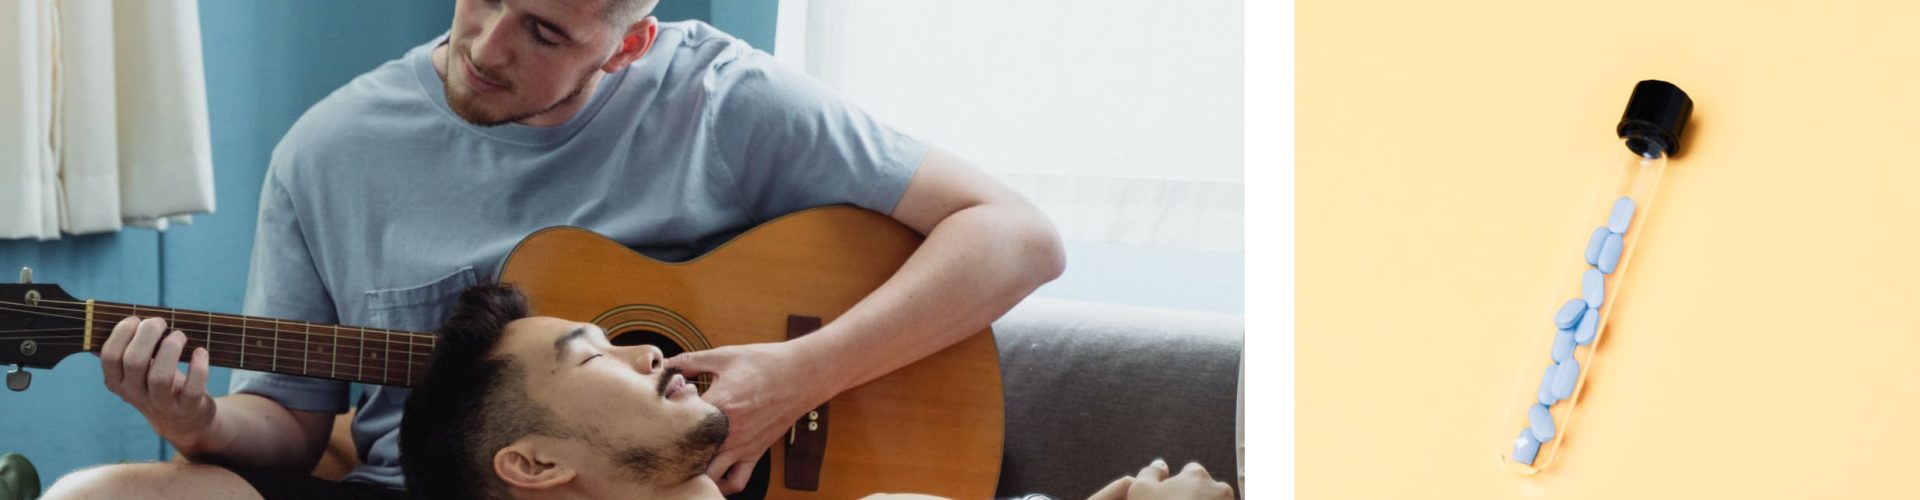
466, 110
684, 459
702, 443
465, 105
705, 437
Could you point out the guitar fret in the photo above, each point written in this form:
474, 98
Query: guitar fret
333, 369
305, 345
386, 345
186, 351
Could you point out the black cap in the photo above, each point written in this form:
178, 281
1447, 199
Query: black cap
1658, 111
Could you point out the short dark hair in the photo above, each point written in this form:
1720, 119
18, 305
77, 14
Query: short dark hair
472, 402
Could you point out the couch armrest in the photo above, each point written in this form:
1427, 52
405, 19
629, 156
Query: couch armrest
1095, 391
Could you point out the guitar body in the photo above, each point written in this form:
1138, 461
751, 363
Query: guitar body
933, 427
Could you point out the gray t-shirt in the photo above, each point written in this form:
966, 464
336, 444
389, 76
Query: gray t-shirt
380, 204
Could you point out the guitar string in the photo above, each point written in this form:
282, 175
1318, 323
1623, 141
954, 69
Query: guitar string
211, 315
32, 330
406, 337
228, 355
209, 334
68, 340
72, 333
98, 322
411, 359
34, 310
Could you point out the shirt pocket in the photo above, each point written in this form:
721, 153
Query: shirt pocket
418, 308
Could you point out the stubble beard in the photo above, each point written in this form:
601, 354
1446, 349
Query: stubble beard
465, 103
683, 460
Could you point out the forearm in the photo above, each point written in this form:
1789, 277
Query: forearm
255, 431
974, 266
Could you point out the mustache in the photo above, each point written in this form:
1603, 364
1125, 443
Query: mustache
462, 49
665, 378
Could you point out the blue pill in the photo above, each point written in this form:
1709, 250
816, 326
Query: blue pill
1593, 287
1541, 421
1569, 314
1546, 385
1593, 245
1525, 447
1564, 375
1609, 254
1622, 215
1589, 325
1563, 345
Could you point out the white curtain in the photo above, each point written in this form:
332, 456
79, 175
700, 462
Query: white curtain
1121, 120
103, 116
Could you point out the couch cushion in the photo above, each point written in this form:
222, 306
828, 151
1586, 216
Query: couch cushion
1095, 391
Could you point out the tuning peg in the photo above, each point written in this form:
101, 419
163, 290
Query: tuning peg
19, 379
26, 275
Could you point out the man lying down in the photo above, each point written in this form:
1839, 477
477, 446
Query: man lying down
517, 406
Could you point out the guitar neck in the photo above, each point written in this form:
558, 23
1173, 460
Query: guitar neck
354, 354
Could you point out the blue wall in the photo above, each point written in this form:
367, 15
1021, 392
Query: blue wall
266, 63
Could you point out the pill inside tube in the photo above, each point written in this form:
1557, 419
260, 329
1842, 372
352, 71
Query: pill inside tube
1622, 215
1593, 245
1593, 287
1565, 374
1563, 345
1546, 385
1610, 254
1589, 325
1540, 420
1569, 314
1525, 447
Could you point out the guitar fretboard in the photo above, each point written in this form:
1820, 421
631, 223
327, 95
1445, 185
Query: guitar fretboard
369, 355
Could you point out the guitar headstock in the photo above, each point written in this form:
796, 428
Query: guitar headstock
40, 324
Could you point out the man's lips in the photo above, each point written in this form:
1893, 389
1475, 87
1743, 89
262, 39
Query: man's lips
675, 386
480, 84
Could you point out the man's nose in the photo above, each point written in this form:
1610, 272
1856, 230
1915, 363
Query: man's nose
490, 48
649, 360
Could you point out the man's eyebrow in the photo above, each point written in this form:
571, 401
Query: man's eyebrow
560, 344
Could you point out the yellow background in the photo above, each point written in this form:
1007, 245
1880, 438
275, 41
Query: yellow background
1448, 154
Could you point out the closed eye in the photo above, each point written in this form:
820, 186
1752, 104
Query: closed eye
538, 37
544, 32
590, 358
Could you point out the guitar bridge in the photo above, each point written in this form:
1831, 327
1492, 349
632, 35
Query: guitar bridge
806, 444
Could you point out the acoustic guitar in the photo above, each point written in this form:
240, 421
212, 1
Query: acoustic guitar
933, 427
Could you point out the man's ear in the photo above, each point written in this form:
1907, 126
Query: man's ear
525, 465
633, 44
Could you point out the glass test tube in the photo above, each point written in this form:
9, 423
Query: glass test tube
1539, 420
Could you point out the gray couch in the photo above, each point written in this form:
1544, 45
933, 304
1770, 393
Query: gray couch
1095, 391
